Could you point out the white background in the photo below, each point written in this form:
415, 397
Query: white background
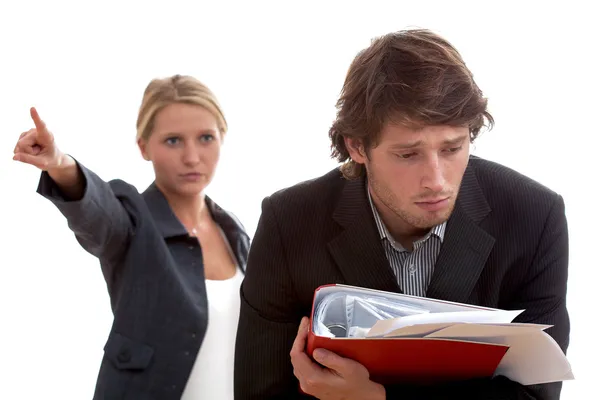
277, 69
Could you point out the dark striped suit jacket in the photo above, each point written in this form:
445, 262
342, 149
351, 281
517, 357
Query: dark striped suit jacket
506, 246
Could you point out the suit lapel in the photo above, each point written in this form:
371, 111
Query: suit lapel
357, 250
169, 226
466, 246
234, 232
164, 218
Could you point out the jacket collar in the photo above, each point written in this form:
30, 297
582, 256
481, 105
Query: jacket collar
170, 226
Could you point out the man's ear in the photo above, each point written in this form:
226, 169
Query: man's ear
356, 149
142, 146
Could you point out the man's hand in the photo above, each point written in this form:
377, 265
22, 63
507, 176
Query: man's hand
339, 378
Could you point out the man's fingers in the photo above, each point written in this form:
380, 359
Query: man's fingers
298, 353
336, 372
300, 341
344, 367
304, 367
310, 375
307, 372
38, 162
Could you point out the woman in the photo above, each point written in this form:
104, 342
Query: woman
172, 259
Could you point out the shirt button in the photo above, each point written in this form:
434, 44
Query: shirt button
412, 269
194, 335
187, 353
191, 247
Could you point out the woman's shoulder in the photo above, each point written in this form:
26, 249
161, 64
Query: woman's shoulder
129, 195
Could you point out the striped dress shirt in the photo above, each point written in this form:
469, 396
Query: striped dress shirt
413, 269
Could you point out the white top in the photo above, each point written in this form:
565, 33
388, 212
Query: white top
212, 373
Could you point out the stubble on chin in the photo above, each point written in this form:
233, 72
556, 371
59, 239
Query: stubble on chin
410, 213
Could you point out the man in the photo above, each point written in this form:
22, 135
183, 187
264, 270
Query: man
409, 211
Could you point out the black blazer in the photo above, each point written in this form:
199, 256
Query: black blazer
155, 279
506, 246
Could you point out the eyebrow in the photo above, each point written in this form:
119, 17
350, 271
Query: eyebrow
447, 142
202, 132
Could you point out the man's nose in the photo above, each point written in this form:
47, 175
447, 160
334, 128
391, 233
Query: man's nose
433, 176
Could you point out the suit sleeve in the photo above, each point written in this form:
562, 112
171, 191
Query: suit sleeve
543, 297
99, 221
269, 318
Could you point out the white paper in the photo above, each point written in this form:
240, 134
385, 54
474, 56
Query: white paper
417, 331
533, 357
384, 327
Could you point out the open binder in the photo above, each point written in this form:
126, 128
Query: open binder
401, 338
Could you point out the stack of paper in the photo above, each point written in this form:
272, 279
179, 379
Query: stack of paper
401, 338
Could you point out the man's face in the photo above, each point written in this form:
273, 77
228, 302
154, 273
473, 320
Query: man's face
414, 175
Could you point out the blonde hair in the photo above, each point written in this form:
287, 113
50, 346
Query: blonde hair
176, 89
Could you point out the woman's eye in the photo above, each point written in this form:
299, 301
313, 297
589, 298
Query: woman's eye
172, 141
207, 137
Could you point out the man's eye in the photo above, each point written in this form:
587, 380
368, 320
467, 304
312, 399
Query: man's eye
406, 156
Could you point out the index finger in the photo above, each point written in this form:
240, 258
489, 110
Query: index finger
39, 124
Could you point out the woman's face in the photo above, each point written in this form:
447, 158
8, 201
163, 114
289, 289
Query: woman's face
184, 148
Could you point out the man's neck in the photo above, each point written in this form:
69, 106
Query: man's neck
399, 229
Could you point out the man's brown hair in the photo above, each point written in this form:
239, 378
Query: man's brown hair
414, 78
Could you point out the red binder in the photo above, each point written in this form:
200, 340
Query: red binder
413, 360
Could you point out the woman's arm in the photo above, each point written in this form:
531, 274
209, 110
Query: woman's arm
68, 178
98, 219
95, 215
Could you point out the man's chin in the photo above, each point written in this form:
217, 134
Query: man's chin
430, 220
